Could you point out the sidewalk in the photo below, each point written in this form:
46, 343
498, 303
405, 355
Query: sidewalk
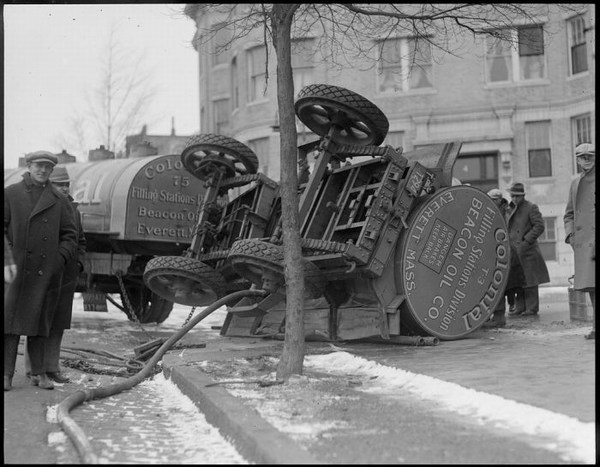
541, 366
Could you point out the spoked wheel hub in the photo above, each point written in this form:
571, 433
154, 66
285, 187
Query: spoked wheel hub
206, 153
186, 281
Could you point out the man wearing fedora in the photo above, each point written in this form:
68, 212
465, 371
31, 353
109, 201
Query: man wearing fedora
40, 228
525, 225
516, 277
580, 224
64, 309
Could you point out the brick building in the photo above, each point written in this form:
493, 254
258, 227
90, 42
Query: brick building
519, 110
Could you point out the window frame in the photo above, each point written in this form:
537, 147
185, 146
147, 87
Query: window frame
235, 85
218, 124
252, 74
306, 69
546, 243
572, 44
578, 137
486, 161
222, 58
407, 65
516, 58
533, 149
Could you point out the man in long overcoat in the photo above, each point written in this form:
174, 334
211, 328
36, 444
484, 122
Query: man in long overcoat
516, 276
64, 308
39, 225
580, 224
525, 225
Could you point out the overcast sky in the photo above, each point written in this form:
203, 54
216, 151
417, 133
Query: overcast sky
51, 58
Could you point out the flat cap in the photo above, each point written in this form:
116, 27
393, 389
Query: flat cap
41, 156
585, 148
495, 193
60, 175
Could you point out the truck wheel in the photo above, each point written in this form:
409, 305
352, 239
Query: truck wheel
359, 121
147, 306
205, 153
157, 310
253, 259
184, 280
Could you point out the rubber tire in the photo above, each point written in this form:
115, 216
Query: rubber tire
157, 310
316, 103
248, 255
147, 306
232, 152
211, 284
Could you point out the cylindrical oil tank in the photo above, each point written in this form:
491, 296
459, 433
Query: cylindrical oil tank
452, 263
151, 201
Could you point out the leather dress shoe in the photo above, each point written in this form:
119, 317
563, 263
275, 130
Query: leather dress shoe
591, 335
58, 377
530, 313
516, 313
42, 381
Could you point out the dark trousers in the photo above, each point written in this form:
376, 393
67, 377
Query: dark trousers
35, 346
51, 355
527, 299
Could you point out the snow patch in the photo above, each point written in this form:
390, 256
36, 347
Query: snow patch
52, 414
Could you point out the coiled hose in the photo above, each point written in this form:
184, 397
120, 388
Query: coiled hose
74, 431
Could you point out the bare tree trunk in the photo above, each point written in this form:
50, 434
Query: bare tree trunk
292, 357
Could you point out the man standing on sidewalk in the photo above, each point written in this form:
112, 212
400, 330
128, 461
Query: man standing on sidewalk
580, 224
516, 277
39, 225
64, 309
525, 225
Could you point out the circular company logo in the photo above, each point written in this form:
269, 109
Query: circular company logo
454, 262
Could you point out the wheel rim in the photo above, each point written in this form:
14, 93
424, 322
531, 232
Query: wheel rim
179, 287
352, 127
182, 280
357, 120
206, 153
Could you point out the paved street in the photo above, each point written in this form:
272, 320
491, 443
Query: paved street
543, 364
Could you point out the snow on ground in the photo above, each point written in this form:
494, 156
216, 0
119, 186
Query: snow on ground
572, 439
163, 427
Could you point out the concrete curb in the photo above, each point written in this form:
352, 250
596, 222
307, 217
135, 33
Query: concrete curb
254, 438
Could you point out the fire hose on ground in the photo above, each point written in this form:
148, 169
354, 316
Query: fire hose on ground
74, 431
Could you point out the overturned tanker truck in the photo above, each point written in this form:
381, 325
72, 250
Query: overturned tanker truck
390, 248
132, 210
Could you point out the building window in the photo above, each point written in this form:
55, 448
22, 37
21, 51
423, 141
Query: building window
404, 64
478, 170
221, 116
257, 73
581, 127
498, 59
538, 149
235, 86
577, 45
531, 52
547, 241
260, 146
302, 62
506, 63
220, 39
